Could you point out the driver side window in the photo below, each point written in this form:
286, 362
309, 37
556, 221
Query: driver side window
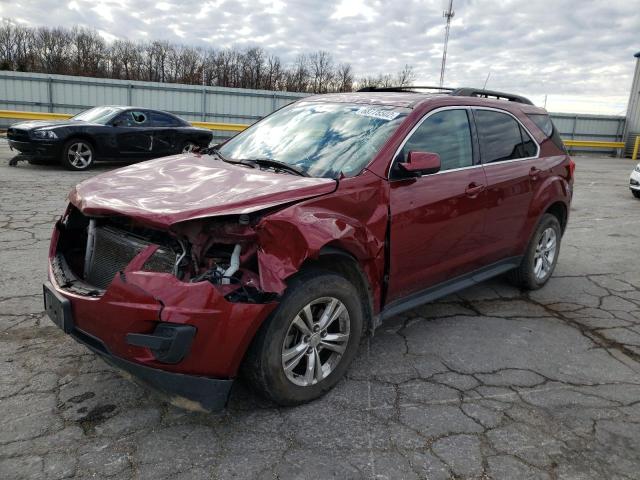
446, 133
133, 118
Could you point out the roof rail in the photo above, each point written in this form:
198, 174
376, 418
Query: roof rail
478, 92
407, 88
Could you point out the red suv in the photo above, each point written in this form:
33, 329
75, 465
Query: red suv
275, 252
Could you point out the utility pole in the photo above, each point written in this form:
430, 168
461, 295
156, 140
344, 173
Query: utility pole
448, 14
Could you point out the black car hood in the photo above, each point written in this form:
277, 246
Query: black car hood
31, 125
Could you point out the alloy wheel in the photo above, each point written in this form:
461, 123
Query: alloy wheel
80, 155
545, 253
188, 147
315, 341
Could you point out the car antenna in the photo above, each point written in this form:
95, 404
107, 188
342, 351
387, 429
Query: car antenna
484, 87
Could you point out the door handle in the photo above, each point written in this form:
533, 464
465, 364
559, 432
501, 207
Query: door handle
473, 189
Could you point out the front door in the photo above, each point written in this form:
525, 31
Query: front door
134, 134
437, 220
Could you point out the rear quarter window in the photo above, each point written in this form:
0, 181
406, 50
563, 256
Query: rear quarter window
501, 137
546, 126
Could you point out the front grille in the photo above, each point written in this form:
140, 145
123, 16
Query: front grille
17, 135
113, 250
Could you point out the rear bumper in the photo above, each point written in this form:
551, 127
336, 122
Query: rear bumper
39, 149
186, 391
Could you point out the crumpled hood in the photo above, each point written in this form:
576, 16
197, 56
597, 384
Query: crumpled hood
173, 189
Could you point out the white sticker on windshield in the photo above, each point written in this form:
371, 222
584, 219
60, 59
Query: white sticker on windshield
377, 113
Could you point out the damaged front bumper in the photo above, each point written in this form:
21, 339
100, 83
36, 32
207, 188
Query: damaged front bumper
192, 392
132, 324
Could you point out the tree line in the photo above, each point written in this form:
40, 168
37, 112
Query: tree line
84, 52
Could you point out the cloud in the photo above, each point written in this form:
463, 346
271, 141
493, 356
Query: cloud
565, 49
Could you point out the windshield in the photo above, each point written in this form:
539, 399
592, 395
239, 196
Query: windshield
97, 115
319, 139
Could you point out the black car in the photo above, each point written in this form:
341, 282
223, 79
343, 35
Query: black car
109, 132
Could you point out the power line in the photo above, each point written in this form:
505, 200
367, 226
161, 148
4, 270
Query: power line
448, 14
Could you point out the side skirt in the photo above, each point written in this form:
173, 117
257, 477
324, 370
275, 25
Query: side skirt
450, 286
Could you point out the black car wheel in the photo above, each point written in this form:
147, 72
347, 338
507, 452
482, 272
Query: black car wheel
188, 147
77, 155
305, 347
636, 193
541, 256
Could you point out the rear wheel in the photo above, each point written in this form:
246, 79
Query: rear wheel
188, 147
307, 344
541, 256
77, 155
636, 193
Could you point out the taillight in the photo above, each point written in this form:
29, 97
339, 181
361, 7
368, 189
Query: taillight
572, 167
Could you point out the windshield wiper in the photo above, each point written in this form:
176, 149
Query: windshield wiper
267, 162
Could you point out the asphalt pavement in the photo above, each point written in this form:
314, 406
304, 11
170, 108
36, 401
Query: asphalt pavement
491, 383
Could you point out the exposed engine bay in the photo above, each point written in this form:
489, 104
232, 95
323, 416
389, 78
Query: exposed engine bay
92, 250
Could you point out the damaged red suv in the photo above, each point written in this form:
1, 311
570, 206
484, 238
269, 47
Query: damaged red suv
272, 254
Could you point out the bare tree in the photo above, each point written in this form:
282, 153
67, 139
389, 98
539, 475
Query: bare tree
81, 51
53, 48
405, 77
343, 79
89, 51
321, 66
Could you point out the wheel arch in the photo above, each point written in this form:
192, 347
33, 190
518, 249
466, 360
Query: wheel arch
554, 197
338, 260
560, 211
84, 137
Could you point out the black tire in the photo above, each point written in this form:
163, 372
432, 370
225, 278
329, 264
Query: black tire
86, 151
188, 146
263, 366
525, 275
636, 193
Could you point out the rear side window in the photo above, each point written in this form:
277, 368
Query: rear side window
446, 133
544, 123
501, 137
163, 120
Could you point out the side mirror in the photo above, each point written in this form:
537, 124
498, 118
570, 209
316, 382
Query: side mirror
421, 163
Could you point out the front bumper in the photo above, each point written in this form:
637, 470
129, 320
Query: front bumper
186, 391
135, 303
40, 149
634, 181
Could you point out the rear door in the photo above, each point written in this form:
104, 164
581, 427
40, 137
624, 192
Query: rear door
509, 156
134, 134
437, 220
165, 134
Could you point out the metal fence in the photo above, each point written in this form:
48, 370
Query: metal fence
589, 127
68, 94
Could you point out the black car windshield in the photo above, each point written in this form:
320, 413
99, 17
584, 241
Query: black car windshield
97, 115
319, 139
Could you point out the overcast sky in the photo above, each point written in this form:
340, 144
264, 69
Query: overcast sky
578, 52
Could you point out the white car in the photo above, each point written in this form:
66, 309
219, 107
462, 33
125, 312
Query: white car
634, 181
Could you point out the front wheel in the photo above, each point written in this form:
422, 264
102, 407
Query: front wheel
636, 193
307, 344
541, 256
77, 155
